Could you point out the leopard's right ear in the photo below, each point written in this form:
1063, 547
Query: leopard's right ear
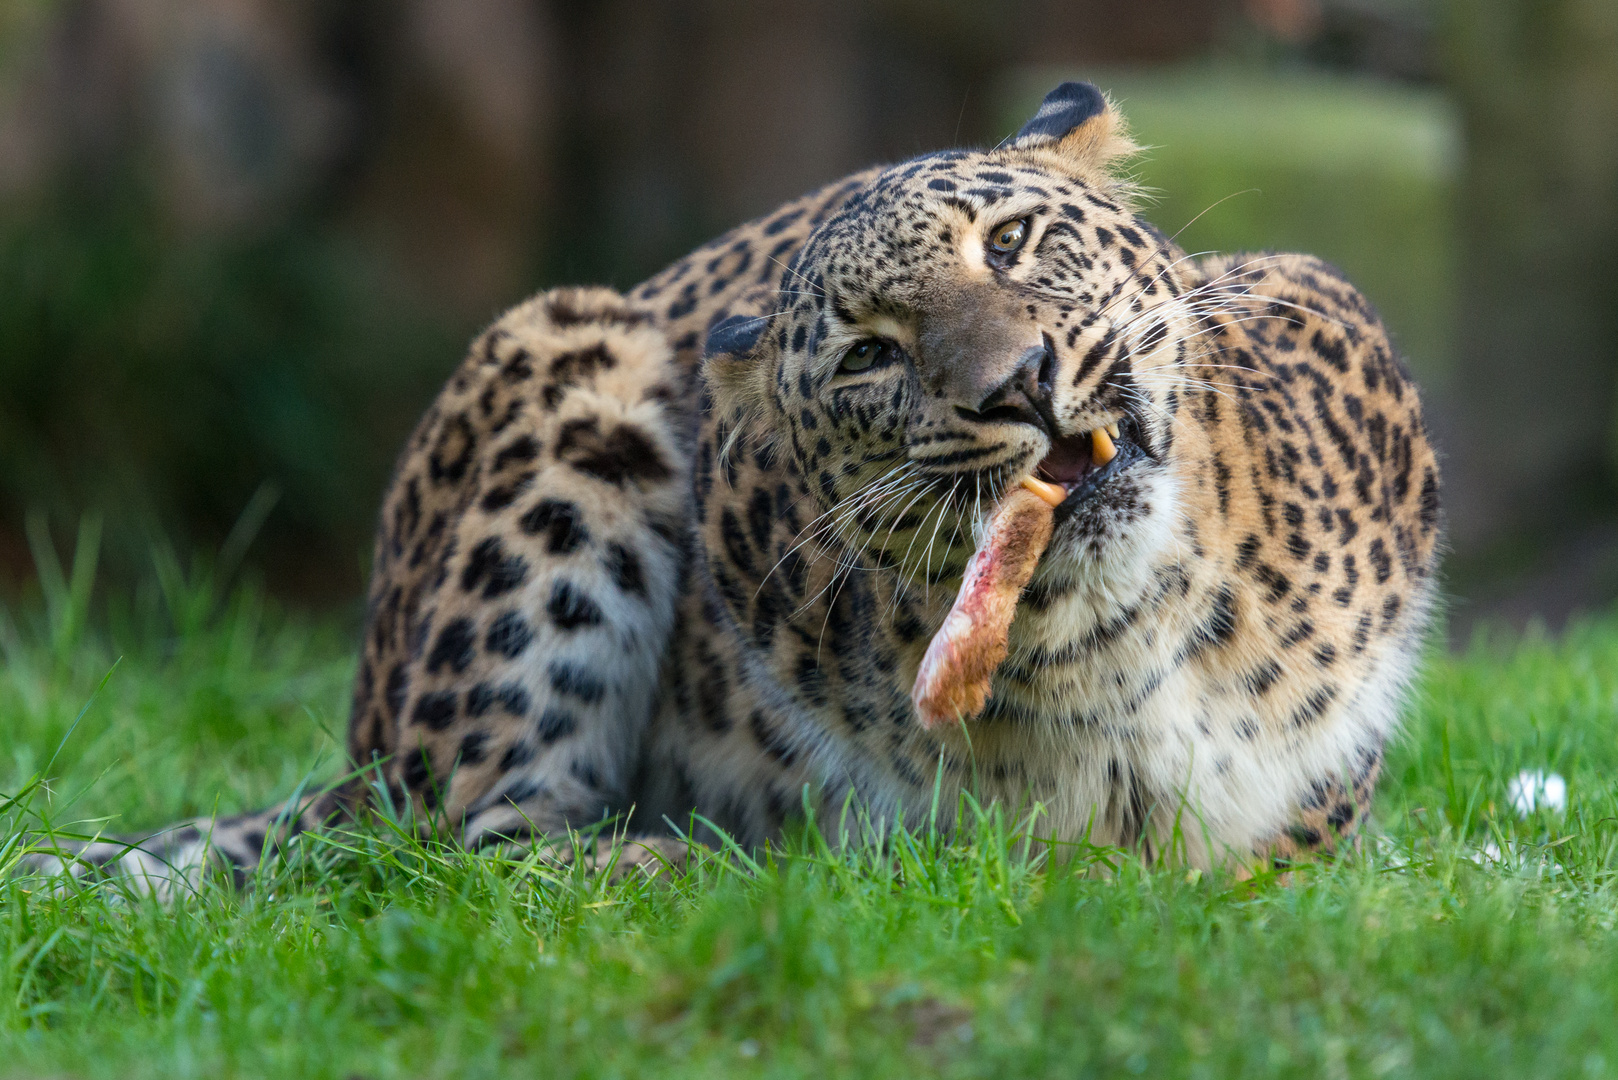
737, 378
1079, 128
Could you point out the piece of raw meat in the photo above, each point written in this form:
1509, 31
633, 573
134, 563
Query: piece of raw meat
953, 682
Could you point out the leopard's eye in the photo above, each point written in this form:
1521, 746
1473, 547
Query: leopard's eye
1009, 236
862, 355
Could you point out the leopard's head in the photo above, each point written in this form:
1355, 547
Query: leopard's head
967, 320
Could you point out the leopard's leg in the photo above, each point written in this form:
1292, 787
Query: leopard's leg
515, 645
1331, 819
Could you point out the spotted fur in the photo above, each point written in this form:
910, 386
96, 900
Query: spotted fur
663, 551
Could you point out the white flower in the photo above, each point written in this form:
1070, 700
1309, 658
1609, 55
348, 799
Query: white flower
1534, 789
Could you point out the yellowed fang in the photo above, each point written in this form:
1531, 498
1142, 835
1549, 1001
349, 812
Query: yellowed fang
1053, 494
1101, 448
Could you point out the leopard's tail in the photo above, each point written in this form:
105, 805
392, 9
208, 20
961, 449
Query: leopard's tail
173, 860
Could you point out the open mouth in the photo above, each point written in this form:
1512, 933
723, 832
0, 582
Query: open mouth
1078, 466
954, 680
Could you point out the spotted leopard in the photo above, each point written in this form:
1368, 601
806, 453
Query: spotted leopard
679, 552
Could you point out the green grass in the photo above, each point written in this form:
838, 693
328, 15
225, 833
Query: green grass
378, 956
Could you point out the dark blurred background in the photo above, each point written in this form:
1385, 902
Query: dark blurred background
242, 242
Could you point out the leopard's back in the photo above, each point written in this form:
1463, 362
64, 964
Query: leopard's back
533, 545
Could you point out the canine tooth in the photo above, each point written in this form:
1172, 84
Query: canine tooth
1101, 448
1051, 493
1112, 429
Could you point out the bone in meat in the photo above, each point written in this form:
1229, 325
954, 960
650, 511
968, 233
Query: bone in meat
953, 682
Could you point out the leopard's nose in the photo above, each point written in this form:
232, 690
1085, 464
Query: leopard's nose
1025, 396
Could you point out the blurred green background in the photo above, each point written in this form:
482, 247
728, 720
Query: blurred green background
243, 241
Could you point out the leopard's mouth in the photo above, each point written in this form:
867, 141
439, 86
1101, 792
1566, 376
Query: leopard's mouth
1078, 467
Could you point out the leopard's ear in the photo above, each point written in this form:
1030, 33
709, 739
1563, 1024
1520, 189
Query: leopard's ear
736, 377
1078, 125
735, 336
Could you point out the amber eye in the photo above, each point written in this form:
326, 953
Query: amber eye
862, 355
1008, 237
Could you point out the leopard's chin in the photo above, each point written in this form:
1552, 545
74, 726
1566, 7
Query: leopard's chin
1073, 464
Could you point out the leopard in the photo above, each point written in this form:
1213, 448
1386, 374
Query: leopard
671, 557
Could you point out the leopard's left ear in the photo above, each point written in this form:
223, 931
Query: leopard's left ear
1077, 124
737, 381
736, 336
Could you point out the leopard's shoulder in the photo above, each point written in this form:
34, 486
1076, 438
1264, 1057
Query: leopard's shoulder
1313, 495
